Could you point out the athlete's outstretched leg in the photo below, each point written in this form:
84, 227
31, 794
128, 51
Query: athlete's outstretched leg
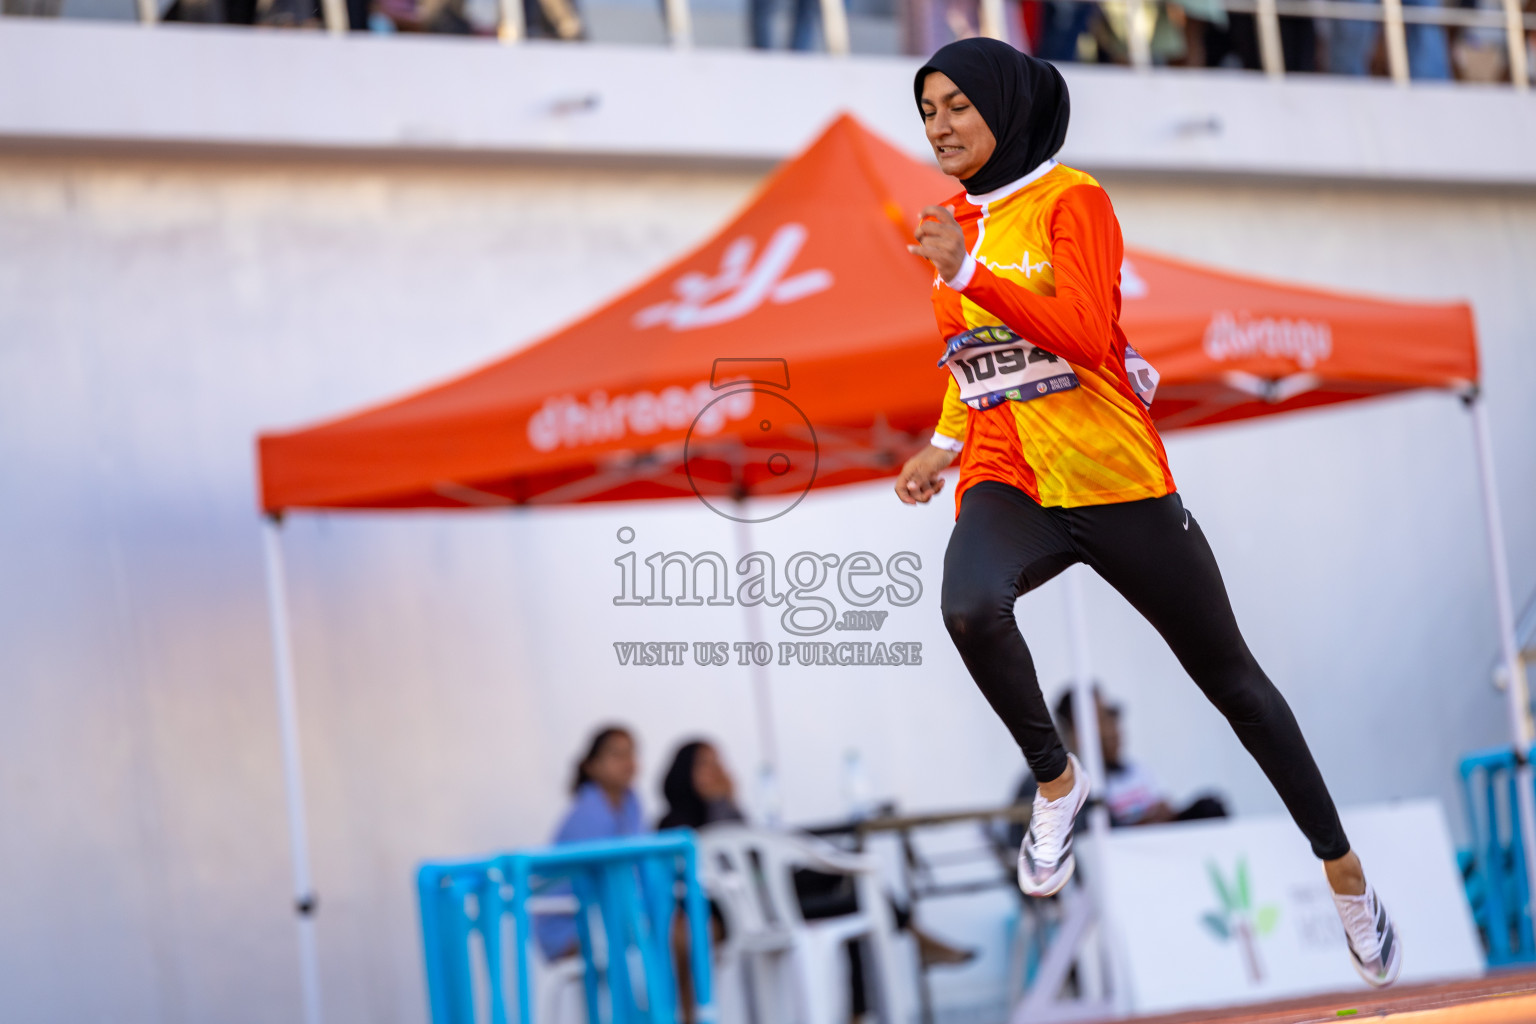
1155, 555
1004, 544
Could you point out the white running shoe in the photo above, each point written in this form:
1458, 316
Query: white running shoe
1045, 858
1373, 944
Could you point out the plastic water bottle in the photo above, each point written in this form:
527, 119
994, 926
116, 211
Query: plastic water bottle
856, 796
769, 799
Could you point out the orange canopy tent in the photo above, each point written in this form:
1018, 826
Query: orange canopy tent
796, 349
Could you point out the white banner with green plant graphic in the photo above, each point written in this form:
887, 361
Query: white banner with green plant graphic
1237, 911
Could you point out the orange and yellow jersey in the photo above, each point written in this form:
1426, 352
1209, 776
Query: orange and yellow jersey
1044, 262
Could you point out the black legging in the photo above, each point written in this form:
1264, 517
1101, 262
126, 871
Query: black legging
1154, 554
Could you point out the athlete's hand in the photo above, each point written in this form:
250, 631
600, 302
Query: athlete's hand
940, 241
920, 479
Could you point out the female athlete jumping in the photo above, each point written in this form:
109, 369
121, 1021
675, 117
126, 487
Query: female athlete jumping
1060, 462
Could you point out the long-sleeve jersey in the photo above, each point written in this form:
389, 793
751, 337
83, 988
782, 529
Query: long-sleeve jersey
1044, 261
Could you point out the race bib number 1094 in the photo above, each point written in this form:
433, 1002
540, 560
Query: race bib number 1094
993, 365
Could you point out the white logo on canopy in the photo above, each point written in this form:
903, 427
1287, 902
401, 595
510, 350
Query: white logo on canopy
1229, 337
565, 420
740, 286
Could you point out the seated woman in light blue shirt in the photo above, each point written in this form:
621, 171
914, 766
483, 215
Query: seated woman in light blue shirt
604, 806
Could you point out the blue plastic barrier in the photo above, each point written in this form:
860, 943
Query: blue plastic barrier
1494, 868
627, 887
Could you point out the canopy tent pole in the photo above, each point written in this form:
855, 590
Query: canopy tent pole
1090, 751
1516, 692
762, 695
304, 899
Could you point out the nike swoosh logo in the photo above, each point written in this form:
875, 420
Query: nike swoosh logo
1186, 519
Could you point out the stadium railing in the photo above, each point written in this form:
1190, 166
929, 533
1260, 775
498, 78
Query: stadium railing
1394, 16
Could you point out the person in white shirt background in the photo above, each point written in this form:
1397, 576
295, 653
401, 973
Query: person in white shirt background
1131, 792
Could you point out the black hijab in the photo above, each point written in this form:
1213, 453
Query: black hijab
1022, 99
685, 807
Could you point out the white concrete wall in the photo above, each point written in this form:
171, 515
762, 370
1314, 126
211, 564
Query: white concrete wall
155, 312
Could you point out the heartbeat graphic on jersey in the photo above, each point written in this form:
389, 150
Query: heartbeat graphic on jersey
1026, 268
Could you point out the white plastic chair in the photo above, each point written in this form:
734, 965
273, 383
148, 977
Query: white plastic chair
557, 984
774, 964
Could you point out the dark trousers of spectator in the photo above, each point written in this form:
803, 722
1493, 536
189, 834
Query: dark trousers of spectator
556, 19
1061, 23
1202, 809
805, 14
1352, 43
1298, 40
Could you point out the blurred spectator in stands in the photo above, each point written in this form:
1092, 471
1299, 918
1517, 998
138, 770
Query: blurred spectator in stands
927, 25
1482, 54
1193, 20
1030, 23
32, 8
554, 19
444, 16
269, 13
229, 12
451, 17
1186, 33
1062, 25
542, 19
1351, 45
1171, 33
1530, 44
1429, 54
805, 17
603, 806
1237, 44
1131, 792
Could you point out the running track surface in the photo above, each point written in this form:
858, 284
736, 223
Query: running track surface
1504, 998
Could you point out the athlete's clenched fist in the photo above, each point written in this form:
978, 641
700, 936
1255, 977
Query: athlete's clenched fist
920, 479
940, 241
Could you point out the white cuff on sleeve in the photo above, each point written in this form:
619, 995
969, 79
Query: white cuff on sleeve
949, 444
962, 278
